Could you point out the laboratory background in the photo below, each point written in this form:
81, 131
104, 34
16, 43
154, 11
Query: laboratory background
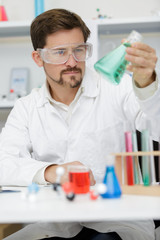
109, 22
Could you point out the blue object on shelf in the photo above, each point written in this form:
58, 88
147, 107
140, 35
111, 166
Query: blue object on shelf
39, 7
111, 181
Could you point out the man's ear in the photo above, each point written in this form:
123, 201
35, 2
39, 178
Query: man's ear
37, 58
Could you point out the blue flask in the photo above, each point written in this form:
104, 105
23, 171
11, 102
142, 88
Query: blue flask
111, 181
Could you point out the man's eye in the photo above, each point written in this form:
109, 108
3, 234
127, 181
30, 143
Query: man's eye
58, 52
79, 50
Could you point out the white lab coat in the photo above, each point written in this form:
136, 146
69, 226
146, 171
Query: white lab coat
36, 135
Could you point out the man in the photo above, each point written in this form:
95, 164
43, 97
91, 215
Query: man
76, 118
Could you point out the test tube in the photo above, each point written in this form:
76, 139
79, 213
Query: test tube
129, 148
137, 171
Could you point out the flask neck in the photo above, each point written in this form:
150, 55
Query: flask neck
110, 168
134, 36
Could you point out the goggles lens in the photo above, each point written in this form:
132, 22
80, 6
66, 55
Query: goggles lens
60, 54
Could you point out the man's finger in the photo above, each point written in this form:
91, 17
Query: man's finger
143, 46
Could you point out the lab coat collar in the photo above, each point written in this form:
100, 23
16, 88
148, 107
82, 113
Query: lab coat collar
42, 97
91, 83
90, 87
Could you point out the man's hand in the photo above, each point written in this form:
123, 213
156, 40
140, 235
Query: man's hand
50, 173
143, 62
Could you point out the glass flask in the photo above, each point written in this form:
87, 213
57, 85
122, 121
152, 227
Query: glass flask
111, 180
113, 65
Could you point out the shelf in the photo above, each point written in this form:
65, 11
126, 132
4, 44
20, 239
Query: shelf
14, 29
105, 26
119, 26
6, 104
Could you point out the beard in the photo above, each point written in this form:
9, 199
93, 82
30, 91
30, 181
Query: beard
74, 83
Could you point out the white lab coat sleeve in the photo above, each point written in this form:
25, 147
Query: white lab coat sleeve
39, 177
144, 93
17, 165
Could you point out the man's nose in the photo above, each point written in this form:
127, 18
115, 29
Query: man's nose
71, 61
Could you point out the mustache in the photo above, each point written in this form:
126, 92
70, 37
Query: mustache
71, 70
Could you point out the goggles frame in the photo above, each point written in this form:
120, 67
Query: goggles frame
58, 52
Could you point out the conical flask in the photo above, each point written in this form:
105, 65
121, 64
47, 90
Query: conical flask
111, 181
113, 65
3, 15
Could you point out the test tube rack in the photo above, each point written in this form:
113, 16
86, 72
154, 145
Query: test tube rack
136, 189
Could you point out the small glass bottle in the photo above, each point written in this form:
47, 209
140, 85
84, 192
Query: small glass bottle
39, 7
113, 65
111, 180
3, 15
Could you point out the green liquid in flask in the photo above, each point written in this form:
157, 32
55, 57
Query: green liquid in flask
113, 65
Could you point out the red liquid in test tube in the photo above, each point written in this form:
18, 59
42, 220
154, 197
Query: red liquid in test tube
129, 159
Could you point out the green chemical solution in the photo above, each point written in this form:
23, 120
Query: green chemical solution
113, 65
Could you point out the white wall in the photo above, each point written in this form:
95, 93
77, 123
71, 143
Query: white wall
24, 9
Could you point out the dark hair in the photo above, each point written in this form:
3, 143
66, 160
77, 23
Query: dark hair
52, 21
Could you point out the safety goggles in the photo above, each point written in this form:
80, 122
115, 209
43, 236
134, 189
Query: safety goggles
60, 54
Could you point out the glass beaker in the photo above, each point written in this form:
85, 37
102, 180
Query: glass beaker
113, 65
79, 177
